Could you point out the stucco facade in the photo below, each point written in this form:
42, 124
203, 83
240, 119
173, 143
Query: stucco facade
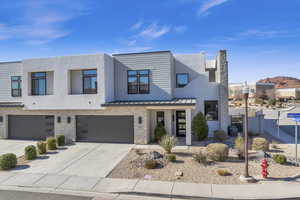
65, 99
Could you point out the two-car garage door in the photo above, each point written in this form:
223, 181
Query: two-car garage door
30, 127
100, 128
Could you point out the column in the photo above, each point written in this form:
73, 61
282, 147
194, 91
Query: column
188, 119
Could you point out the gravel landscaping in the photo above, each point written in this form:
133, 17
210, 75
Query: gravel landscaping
186, 169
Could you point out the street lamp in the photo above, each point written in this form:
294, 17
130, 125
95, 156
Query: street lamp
246, 177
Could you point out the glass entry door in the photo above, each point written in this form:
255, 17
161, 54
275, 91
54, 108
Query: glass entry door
180, 124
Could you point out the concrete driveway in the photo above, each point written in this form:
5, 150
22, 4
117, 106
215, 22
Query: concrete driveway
81, 159
14, 146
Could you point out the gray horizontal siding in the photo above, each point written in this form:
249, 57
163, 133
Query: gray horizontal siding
6, 71
159, 65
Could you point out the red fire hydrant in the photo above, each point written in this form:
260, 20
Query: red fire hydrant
264, 167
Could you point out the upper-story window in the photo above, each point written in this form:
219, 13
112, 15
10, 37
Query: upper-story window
89, 78
138, 81
182, 80
212, 75
16, 88
38, 83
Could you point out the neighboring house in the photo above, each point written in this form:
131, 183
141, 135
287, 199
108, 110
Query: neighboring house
118, 98
288, 93
257, 90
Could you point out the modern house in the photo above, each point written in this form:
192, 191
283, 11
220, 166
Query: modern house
288, 93
112, 98
257, 90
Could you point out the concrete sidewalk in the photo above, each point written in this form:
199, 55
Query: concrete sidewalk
97, 185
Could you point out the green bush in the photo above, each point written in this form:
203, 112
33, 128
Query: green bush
239, 145
51, 143
260, 144
171, 157
220, 135
42, 147
159, 131
150, 164
30, 152
201, 158
280, 159
272, 102
8, 161
168, 142
199, 126
60, 140
217, 152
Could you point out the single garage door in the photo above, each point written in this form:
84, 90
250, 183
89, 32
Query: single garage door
30, 127
114, 129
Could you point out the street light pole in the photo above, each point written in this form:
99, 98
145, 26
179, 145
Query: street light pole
246, 96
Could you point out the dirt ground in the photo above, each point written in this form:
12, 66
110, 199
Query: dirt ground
198, 173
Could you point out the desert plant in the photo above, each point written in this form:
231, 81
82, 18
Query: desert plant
223, 172
201, 158
51, 143
168, 142
217, 152
8, 161
30, 152
199, 126
220, 135
171, 157
239, 145
150, 164
42, 147
60, 140
159, 131
272, 102
280, 159
260, 144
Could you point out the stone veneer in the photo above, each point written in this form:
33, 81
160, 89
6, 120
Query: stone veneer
141, 131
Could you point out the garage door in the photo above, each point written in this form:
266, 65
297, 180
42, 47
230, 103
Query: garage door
115, 129
30, 127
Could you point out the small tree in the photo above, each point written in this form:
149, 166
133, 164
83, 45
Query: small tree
199, 126
159, 132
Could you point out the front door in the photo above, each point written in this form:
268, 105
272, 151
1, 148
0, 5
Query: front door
180, 124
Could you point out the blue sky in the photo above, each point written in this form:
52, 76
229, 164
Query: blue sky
262, 36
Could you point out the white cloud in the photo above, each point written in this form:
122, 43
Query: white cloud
43, 21
260, 33
155, 31
137, 25
180, 29
208, 4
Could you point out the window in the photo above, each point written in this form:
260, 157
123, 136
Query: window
212, 75
89, 81
38, 83
138, 81
16, 89
182, 80
211, 110
160, 117
1, 119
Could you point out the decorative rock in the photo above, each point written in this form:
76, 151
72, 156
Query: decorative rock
178, 173
248, 179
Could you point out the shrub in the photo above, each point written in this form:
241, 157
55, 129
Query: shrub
159, 131
220, 135
223, 172
201, 158
30, 152
280, 159
171, 157
168, 142
8, 161
150, 164
51, 143
42, 147
260, 144
199, 126
239, 145
60, 140
272, 102
217, 151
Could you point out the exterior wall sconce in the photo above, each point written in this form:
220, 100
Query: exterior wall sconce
140, 120
69, 120
58, 119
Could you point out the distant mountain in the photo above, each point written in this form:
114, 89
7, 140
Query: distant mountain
282, 82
